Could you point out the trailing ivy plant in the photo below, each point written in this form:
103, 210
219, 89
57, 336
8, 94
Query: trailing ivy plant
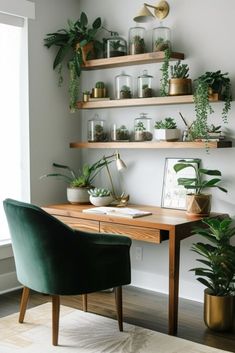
164, 82
205, 85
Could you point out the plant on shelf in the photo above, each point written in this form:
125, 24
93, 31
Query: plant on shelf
161, 44
78, 183
99, 91
164, 82
147, 92
205, 86
141, 133
125, 92
197, 202
76, 43
137, 45
166, 130
218, 272
179, 84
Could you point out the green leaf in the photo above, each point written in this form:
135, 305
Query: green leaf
209, 172
83, 20
61, 55
181, 166
97, 23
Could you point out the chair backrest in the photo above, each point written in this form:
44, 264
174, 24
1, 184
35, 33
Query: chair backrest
46, 251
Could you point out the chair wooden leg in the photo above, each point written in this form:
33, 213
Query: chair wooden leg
84, 302
118, 299
23, 303
55, 318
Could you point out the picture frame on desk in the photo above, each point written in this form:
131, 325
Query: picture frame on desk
174, 195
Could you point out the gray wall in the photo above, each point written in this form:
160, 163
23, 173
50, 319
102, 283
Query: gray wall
200, 30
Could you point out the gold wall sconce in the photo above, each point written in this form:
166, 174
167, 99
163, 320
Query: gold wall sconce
161, 10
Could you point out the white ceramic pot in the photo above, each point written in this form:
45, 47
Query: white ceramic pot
166, 134
101, 200
78, 195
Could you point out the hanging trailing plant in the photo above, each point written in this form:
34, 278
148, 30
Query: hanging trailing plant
164, 82
206, 85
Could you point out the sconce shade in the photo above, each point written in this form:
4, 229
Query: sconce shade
144, 15
161, 10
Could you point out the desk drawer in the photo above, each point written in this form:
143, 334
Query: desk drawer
80, 224
138, 233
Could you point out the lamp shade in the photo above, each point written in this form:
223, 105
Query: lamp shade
119, 163
144, 15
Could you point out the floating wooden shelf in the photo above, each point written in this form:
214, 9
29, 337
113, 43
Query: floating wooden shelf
136, 102
150, 145
127, 60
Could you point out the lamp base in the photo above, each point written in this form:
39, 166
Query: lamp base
122, 201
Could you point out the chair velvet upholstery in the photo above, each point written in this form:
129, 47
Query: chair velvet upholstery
55, 259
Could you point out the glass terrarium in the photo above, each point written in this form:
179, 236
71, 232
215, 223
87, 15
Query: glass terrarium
161, 38
142, 128
115, 46
145, 85
120, 133
123, 86
136, 40
97, 131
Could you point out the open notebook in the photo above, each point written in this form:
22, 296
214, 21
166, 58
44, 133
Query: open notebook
119, 212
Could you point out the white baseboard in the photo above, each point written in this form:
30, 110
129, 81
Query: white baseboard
8, 282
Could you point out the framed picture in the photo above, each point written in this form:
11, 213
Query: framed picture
174, 195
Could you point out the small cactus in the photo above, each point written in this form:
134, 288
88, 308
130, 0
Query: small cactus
99, 84
99, 192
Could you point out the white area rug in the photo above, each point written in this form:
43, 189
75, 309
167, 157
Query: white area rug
86, 333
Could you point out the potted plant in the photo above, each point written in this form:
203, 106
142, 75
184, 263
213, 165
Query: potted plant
99, 91
76, 44
125, 92
120, 133
179, 84
78, 183
137, 45
218, 272
141, 133
166, 130
100, 197
198, 203
206, 86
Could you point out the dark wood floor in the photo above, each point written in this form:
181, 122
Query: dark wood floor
142, 308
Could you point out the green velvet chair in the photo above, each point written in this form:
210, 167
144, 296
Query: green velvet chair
54, 259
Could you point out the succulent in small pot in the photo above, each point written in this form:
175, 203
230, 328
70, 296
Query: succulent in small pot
198, 203
86, 96
166, 130
99, 91
179, 84
100, 196
217, 272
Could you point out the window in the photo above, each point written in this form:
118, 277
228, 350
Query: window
14, 141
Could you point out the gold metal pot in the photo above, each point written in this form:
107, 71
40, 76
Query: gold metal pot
99, 92
198, 205
180, 86
218, 311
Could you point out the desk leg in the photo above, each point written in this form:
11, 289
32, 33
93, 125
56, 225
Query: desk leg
174, 260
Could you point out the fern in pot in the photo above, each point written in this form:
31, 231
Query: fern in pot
197, 202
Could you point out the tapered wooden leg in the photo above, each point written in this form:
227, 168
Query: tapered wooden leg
118, 299
55, 318
84, 302
23, 303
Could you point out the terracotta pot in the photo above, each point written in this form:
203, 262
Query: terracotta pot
89, 47
198, 205
180, 86
218, 311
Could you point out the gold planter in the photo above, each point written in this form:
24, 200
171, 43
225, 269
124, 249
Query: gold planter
180, 86
99, 92
218, 312
198, 205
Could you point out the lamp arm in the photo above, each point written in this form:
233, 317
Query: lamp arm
110, 179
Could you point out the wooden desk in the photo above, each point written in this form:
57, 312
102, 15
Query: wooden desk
162, 225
